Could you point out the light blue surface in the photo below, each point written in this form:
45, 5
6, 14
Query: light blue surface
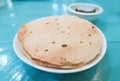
16, 13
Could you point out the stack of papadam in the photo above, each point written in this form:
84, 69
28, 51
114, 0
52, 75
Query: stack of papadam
60, 41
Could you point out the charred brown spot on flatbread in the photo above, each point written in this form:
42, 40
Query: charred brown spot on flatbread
90, 43
56, 19
68, 27
36, 50
53, 42
64, 45
89, 35
81, 42
47, 23
46, 50
30, 31
63, 32
93, 27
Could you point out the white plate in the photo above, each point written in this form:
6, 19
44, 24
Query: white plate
17, 49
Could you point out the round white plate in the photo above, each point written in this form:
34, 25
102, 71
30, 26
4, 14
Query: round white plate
19, 53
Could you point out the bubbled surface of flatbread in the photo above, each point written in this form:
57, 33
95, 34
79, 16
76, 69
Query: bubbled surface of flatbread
60, 41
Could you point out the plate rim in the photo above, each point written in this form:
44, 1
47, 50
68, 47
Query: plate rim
54, 70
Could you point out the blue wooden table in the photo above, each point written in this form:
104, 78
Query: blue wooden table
17, 12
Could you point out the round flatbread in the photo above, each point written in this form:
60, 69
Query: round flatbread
60, 41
